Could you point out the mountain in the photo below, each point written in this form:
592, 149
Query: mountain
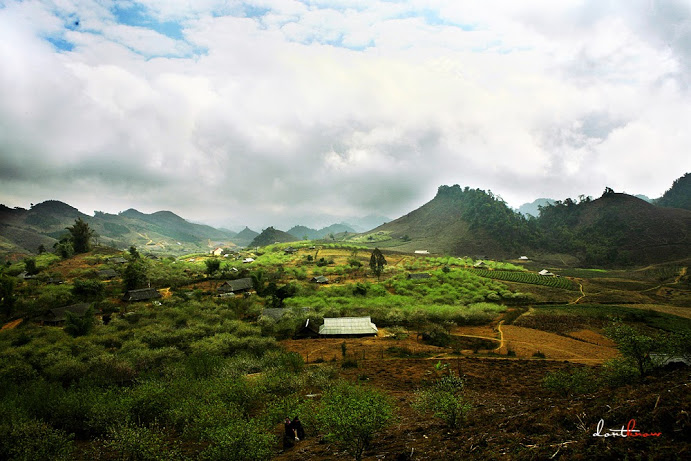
23, 230
679, 195
245, 237
533, 208
271, 235
616, 229
306, 233
462, 222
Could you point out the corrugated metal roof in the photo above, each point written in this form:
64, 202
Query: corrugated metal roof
348, 326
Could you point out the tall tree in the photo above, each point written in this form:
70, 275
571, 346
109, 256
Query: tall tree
377, 262
81, 235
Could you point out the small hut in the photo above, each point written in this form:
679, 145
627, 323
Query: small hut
143, 294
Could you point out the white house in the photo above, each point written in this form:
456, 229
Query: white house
421, 252
546, 273
217, 252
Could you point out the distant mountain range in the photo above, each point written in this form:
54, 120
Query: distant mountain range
615, 229
23, 230
306, 233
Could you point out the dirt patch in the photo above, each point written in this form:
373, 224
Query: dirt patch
513, 416
12, 325
527, 341
592, 337
329, 349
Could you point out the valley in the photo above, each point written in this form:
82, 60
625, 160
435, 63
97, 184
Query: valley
192, 375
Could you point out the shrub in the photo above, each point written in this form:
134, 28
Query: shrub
241, 441
139, 443
353, 415
443, 399
22, 438
577, 381
618, 372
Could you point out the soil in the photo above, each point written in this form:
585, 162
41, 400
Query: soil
514, 417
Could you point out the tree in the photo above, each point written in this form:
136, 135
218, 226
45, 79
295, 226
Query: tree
41, 249
134, 254
7, 298
444, 400
212, 265
30, 266
81, 235
377, 262
353, 415
135, 275
79, 326
64, 248
88, 290
635, 346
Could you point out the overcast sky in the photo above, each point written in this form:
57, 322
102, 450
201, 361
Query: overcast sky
256, 112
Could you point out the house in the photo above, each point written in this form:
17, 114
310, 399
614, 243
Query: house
57, 316
117, 260
348, 326
289, 250
319, 279
524, 258
236, 286
309, 330
143, 294
419, 276
421, 252
217, 252
107, 274
248, 260
480, 265
546, 273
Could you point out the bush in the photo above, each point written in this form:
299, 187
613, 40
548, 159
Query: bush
618, 372
136, 443
353, 415
444, 400
577, 381
241, 441
28, 439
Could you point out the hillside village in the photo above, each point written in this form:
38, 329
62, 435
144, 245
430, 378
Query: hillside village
461, 343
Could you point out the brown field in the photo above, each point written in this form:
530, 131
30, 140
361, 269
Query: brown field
513, 417
527, 341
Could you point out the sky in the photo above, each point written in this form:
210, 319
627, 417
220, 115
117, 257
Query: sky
282, 112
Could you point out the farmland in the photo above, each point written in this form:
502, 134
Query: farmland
197, 376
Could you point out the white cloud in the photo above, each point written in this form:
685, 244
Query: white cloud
291, 108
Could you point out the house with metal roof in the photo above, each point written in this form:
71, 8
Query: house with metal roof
107, 274
57, 316
236, 286
348, 326
319, 279
143, 294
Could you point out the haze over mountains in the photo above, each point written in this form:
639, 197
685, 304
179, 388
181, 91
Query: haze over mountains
615, 229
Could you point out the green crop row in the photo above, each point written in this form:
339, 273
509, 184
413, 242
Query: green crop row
528, 277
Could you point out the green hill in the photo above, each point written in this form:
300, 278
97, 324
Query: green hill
463, 222
22, 230
307, 233
679, 195
616, 229
271, 235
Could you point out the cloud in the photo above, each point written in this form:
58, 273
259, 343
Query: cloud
256, 112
